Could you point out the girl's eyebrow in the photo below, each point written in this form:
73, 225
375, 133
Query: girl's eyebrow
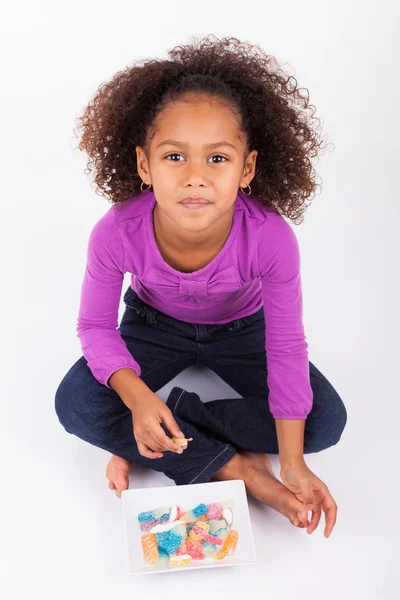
213, 145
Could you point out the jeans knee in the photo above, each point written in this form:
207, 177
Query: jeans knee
329, 432
62, 403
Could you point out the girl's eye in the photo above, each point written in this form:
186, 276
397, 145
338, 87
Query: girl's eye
177, 154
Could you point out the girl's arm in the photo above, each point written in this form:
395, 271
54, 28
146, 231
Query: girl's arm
290, 434
102, 345
288, 371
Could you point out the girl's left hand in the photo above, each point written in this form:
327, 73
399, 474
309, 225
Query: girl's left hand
313, 492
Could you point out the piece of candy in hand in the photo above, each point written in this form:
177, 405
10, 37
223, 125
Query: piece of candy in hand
181, 441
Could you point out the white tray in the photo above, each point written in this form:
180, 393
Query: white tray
187, 497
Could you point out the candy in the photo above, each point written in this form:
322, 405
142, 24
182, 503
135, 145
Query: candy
181, 441
229, 544
161, 512
216, 524
189, 517
147, 525
214, 511
210, 550
203, 517
180, 561
181, 530
157, 513
205, 536
222, 533
194, 550
175, 538
174, 514
145, 516
165, 526
182, 548
201, 509
227, 514
169, 541
195, 537
150, 549
203, 525
163, 559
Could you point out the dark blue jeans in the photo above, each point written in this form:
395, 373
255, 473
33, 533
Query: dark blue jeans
164, 346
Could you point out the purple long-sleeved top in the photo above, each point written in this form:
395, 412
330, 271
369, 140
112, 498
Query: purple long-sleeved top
258, 265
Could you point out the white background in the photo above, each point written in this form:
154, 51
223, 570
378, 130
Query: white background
62, 530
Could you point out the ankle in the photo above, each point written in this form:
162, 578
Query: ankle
233, 469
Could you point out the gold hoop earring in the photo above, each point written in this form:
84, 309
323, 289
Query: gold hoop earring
145, 189
247, 194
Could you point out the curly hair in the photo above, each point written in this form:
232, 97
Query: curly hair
275, 118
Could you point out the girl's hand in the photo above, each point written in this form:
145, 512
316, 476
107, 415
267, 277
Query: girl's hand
147, 415
313, 492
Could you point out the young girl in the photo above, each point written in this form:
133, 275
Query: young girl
215, 279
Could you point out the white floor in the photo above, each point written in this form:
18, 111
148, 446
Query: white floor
64, 532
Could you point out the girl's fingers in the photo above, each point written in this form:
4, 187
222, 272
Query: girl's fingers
315, 518
329, 507
145, 451
111, 485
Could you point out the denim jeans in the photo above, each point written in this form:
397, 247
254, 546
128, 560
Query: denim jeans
163, 347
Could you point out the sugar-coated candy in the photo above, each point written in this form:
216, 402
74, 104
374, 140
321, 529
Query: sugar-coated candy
199, 510
180, 560
227, 514
194, 550
216, 524
169, 541
158, 513
229, 544
163, 559
163, 553
175, 538
181, 441
205, 536
182, 548
145, 516
181, 530
150, 548
203, 517
174, 514
189, 517
210, 550
162, 512
195, 537
147, 525
222, 533
203, 525
165, 526
214, 511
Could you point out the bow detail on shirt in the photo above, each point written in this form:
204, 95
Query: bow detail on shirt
222, 283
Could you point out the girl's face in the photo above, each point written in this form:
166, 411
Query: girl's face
196, 152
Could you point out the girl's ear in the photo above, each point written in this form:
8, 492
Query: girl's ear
249, 169
142, 165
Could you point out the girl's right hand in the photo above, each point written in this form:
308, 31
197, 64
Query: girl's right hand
148, 413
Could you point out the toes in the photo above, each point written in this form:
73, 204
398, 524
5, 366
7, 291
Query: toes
122, 482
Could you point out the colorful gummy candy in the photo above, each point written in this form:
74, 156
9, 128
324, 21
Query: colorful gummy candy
175, 538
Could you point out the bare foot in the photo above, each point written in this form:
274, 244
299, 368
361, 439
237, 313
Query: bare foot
260, 481
117, 472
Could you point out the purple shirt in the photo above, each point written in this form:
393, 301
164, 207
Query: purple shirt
259, 265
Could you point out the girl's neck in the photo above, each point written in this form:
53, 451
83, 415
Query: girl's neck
188, 254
